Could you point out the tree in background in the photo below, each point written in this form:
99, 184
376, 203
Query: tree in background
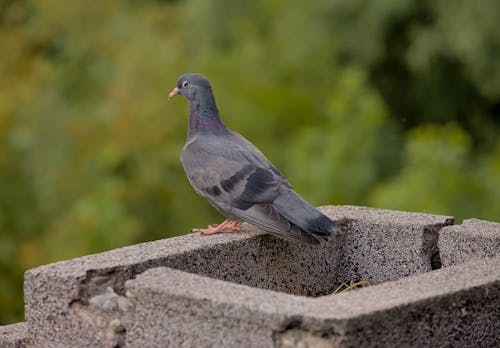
393, 104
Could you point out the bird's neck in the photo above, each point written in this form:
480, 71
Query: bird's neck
204, 116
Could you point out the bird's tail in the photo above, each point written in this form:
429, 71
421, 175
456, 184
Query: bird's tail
266, 217
299, 212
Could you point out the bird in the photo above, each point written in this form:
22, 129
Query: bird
237, 179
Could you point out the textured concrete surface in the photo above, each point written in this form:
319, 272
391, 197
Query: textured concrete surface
384, 245
472, 240
377, 246
457, 306
62, 299
14, 336
251, 289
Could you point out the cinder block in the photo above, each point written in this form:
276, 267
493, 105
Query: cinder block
456, 306
66, 303
472, 240
84, 302
14, 336
383, 245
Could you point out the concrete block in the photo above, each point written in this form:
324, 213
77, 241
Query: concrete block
84, 302
71, 303
14, 336
456, 306
383, 245
472, 240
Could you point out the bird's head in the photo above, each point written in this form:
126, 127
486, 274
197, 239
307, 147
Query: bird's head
191, 85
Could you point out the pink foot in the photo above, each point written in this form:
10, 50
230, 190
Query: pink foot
227, 226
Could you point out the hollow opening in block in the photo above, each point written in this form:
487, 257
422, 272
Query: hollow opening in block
364, 254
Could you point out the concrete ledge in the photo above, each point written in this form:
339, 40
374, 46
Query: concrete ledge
85, 302
63, 300
251, 289
474, 239
14, 336
432, 309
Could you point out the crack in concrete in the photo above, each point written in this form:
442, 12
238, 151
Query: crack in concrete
296, 334
430, 247
103, 302
109, 314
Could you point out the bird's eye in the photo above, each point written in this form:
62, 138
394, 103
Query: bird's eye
185, 84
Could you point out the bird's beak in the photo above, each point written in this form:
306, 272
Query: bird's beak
174, 92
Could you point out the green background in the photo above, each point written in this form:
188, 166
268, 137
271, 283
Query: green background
391, 104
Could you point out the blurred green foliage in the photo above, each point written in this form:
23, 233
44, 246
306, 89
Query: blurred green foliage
393, 104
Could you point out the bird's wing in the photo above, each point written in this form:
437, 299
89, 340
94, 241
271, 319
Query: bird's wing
239, 180
224, 171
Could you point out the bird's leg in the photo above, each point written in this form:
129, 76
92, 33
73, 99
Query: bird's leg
227, 226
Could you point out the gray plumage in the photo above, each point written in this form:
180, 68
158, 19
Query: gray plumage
236, 178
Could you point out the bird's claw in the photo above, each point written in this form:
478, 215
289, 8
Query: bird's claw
228, 226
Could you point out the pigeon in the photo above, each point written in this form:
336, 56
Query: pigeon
237, 179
